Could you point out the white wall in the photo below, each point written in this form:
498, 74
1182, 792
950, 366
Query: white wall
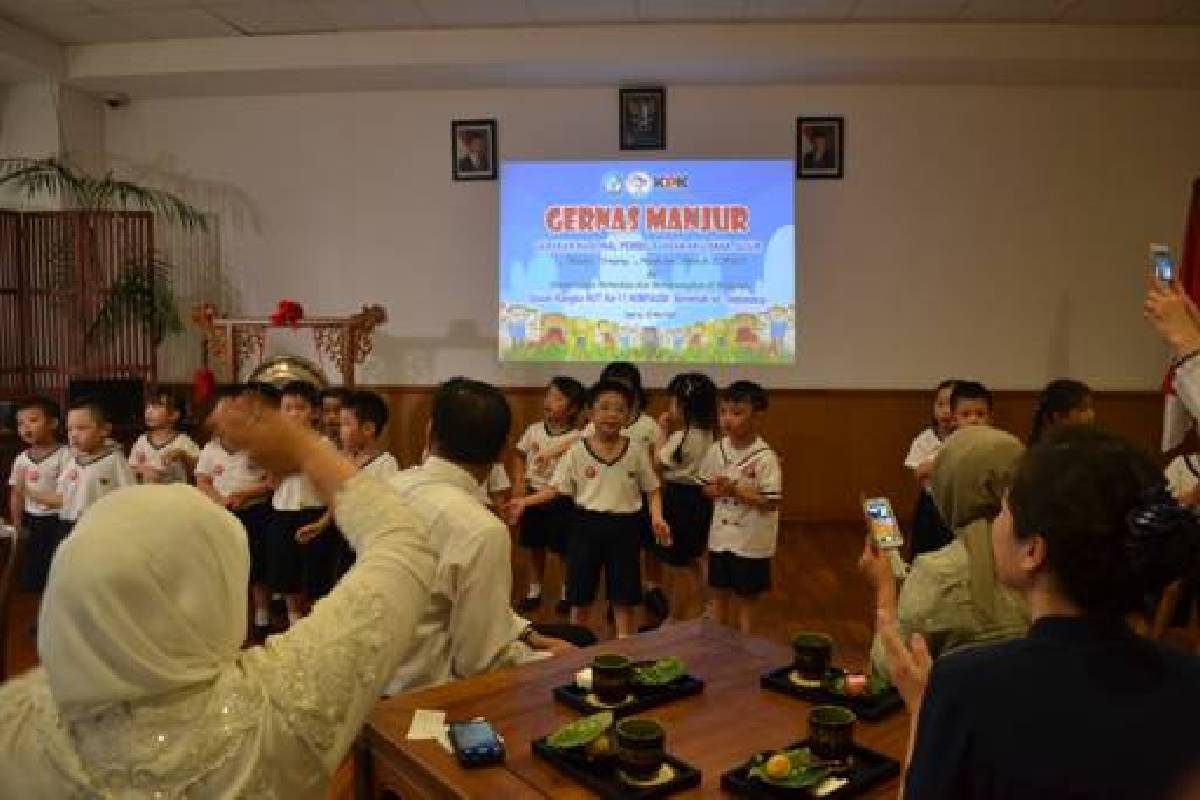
991, 231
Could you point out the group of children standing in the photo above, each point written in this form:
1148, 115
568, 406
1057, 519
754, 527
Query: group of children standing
626, 496
962, 403
296, 551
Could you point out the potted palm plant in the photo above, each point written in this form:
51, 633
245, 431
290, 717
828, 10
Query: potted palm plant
138, 289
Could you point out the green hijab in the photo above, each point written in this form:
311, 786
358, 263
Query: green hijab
973, 471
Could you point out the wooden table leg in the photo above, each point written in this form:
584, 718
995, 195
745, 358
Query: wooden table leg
364, 769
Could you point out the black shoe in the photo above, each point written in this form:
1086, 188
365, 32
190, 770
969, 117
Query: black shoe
562, 608
528, 604
656, 604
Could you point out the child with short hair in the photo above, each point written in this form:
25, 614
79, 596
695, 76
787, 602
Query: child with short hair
742, 475
1061, 402
97, 465
36, 471
232, 480
362, 419
970, 404
543, 527
929, 532
691, 419
607, 474
333, 399
300, 565
163, 454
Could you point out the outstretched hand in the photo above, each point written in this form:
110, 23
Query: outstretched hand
275, 442
877, 569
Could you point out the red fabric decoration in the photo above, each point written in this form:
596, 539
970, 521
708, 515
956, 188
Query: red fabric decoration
204, 387
288, 312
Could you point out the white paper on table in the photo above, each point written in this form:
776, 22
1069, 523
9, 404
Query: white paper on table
430, 725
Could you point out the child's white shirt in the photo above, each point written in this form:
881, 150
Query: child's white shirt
696, 443
614, 486
145, 453
737, 527
229, 471
536, 440
496, 481
924, 447
31, 474
644, 430
1183, 474
85, 479
296, 492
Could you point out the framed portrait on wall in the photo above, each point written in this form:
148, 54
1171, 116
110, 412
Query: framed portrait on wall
643, 118
819, 153
473, 150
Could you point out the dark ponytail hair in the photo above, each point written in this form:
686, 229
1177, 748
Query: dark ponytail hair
697, 397
1113, 533
949, 383
1058, 399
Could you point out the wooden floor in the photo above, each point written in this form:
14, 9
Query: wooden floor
816, 587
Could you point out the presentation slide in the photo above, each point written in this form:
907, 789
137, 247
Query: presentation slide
663, 260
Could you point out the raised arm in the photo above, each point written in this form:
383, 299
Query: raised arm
326, 673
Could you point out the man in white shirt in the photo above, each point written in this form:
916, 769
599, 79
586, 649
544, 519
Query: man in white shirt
468, 626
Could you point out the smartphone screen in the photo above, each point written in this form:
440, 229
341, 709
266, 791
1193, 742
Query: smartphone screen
1160, 261
884, 527
469, 735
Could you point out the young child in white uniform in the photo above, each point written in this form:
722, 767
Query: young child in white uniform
35, 472
163, 454
543, 528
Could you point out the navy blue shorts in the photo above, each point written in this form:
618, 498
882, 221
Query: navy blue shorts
609, 543
746, 577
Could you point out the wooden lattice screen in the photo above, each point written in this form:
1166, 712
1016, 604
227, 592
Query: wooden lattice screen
56, 273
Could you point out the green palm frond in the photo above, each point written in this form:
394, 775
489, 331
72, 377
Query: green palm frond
54, 178
141, 295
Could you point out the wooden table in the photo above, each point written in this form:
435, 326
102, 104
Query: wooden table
717, 730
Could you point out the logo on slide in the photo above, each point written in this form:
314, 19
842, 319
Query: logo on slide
612, 183
638, 184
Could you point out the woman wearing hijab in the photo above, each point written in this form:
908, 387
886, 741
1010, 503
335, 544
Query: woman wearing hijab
1081, 707
952, 596
143, 690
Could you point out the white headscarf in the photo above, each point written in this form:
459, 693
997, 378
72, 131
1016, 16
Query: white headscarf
146, 596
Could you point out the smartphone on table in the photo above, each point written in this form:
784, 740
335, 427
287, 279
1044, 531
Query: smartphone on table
476, 743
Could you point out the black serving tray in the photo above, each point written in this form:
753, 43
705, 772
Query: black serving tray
604, 781
868, 707
644, 697
868, 769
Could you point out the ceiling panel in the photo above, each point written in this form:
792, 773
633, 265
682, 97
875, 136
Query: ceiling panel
557, 11
799, 9
691, 9
467, 13
139, 5
1121, 10
908, 9
175, 23
271, 16
1015, 10
75, 28
363, 15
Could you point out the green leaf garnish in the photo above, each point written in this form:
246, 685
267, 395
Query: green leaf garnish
803, 774
581, 731
660, 672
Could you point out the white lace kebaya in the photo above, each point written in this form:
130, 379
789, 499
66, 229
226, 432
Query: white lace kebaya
144, 691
